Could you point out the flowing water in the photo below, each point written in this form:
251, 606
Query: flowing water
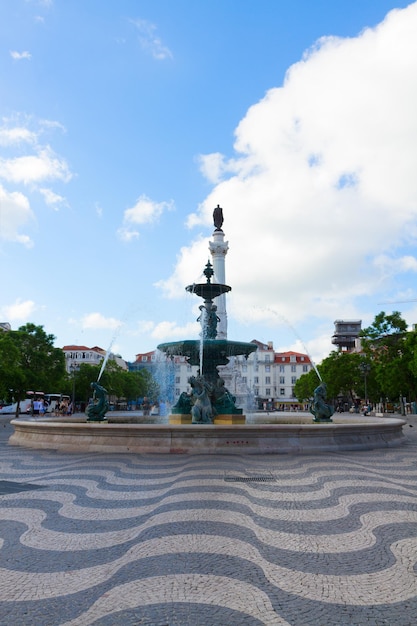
106, 358
203, 321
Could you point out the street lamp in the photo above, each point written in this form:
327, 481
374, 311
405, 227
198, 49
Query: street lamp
365, 369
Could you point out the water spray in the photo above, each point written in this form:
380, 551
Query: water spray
106, 358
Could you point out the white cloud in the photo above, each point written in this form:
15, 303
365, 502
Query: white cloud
20, 310
18, 56
99, 210
44, 165
389, 266
51, 198
28, 162
97, 321
150, 42
212, 166
127, 235
323, 179
189, 258
170, 331
145, 211
15, 213
16, 135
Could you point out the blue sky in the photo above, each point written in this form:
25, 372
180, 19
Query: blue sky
123, 124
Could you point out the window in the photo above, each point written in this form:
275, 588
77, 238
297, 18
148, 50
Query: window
282, 368
256, 391
305, 368
256, 380
267, 392
267, 380
282, 392
267, 368
144, 358
293, 368
267, 357
283, 358
293, 380
293, 358
282, 380
177, 380
177, 391
244, 368
244, 379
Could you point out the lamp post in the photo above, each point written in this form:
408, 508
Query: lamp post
365, 369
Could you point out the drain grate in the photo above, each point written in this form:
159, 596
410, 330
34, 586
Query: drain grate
249, 477
8, 486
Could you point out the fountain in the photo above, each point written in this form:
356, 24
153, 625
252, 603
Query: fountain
207, 420
209, 401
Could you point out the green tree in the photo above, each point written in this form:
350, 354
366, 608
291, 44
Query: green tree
344, 377
305, 386
341, 371
138, 384
384, 326
32, 361
117, 381
11, 377
387, 345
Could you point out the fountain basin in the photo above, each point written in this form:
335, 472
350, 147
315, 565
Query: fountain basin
215, 350
298, 437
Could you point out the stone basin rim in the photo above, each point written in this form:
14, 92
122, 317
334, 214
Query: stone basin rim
78, 437
296, 422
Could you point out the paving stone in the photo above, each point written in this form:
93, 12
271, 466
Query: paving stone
161, 540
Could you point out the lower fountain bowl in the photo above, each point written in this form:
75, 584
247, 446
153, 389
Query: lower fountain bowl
287, 435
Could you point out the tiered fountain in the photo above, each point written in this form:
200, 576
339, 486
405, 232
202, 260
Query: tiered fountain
209, 401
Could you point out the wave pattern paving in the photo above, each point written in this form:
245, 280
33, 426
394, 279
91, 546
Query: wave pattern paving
188, 540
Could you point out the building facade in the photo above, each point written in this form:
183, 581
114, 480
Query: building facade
346, 334
79, 355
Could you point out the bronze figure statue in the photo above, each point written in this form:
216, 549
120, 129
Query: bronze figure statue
320, 409
218, 217
97, 410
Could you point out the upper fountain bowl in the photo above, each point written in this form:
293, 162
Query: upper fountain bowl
208, 291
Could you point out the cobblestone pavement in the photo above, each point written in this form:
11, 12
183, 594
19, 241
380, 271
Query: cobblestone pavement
323, 540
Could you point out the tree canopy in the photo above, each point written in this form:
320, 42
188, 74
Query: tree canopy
384, 370
29, 361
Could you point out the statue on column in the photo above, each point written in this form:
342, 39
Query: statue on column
218, 217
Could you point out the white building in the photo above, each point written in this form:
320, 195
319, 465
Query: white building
78, 355
270, 376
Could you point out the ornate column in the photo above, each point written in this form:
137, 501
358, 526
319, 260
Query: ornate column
219, 248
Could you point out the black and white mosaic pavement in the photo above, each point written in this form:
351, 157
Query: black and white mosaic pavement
97, 539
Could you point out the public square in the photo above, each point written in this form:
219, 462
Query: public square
326, 539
